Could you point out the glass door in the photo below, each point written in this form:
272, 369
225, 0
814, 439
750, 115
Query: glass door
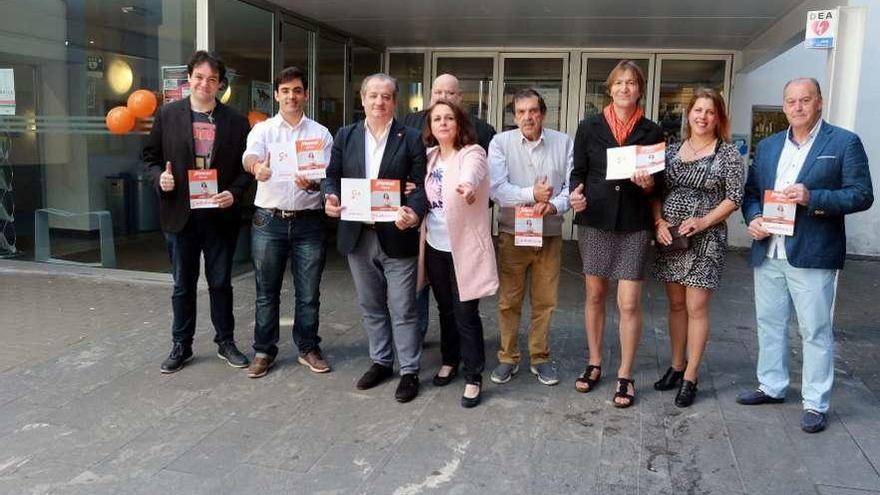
595, 68
476, 77
677, 76
546, 73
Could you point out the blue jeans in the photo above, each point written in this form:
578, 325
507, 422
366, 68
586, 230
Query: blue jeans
216, 240
778, 286
273, 242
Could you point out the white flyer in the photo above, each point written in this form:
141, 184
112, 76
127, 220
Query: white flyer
622, 162
355, 199
282, 161
7, 92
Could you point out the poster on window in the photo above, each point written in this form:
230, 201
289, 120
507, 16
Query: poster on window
175, 83
7, 92
261, 97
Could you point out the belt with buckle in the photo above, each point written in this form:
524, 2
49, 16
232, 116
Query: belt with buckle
294, 214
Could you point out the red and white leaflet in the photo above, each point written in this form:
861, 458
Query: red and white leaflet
384, 199
310, 158
779, 213
622, 162
202, 187
651, 157
528, 227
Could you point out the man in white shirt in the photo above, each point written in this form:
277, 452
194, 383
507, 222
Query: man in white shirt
529, 165
287, 224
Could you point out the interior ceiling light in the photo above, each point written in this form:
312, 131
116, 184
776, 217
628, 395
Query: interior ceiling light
134, 9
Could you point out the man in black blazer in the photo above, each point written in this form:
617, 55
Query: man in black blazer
195, 133
445, 87
382, 256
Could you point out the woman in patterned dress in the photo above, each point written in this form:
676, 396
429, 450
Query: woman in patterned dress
703, 185
614, 219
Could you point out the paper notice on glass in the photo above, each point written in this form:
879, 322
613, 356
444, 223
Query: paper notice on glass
355, 200
528, 227
202, 187
384, 199
310, 158
7, 92
623, 162
282, 162
779, 213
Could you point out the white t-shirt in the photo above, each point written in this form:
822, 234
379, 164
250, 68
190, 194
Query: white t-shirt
438, 231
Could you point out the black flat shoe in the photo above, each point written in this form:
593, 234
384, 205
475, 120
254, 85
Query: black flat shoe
442, 381
686, 394
469, 402
670, 380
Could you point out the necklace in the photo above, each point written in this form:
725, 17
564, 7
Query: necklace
209, 114
696, 151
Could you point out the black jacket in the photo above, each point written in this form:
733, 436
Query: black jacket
404, 159
171, 139
615, 205
485, 132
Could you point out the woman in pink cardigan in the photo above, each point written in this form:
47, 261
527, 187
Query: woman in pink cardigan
457, 253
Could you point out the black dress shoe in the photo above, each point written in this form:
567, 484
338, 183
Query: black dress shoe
686, 394
180, 354
442, 381
408, 388
469, 402
374, 376
670, 380
233, 357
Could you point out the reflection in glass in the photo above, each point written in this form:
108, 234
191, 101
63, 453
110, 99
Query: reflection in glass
544, 75
364, 62
331, 84
596, 95
243, 37
475, 79
409, 70
69, 64
296, 46
678, 80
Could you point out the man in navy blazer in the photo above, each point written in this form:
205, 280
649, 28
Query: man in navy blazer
824, 169
382, 256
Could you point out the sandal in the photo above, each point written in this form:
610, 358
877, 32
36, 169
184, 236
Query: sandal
586, 379
622, 387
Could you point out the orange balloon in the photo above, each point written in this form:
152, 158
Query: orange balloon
142, 103
120, 120
255, 117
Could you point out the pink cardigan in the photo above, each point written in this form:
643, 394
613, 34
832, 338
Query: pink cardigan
470, 231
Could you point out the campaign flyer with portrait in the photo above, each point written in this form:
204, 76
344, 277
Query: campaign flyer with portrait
779, 213
384, 199
528, 227
202, 188
310, 159
624, 161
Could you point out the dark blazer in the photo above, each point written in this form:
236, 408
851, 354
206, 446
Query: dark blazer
171, 139
404, 159
485, 132
837, 175
615, 205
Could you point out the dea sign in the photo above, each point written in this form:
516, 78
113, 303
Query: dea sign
821, 28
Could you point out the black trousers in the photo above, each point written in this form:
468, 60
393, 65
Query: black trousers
461, 329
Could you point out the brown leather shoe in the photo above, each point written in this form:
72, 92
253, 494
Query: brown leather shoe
260, 366
314, 361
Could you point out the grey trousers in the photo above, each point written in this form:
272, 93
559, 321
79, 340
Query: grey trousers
386, 291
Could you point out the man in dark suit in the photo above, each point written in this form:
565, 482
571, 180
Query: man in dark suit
195, 133
824, 170
445, 87
382, 256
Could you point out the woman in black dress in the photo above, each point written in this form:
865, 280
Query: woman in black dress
704, 183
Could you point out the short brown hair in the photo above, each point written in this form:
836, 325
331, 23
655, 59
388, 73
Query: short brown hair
465, 135
722, 127
628, 65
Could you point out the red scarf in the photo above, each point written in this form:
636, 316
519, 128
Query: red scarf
621, 130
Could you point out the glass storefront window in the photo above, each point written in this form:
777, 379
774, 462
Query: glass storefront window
678, 80
66, 64
409, 70
331, 84
475, 77
365, 61
544, 75
243, 37
296, 45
